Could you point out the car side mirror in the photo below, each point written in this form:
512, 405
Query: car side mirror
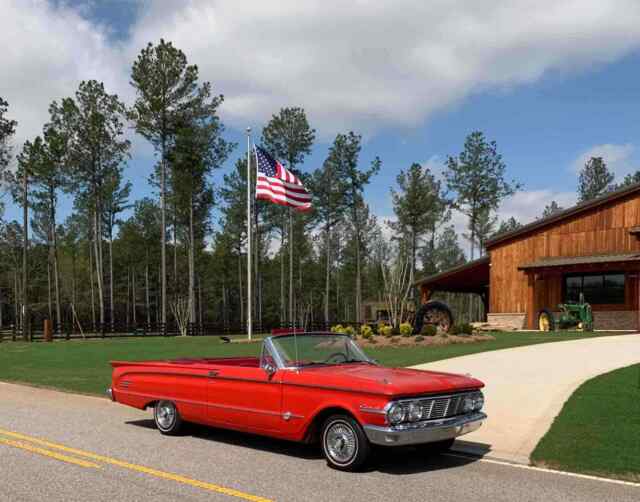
270, 369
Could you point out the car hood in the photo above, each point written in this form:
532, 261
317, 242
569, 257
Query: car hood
396, 382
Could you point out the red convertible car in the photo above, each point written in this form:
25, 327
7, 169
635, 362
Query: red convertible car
306, 387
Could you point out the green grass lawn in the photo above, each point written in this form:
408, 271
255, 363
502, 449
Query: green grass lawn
598, 430
82, 365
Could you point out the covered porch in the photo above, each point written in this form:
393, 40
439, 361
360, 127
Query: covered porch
609, 283
471, 277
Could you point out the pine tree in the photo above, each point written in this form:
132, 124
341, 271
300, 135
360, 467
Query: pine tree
477, 177
595, 179
551, 209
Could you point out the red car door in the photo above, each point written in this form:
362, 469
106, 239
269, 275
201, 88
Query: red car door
245, 398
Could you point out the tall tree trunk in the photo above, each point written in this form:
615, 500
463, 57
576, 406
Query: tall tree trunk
283, 308
26, 332
192, 265
126, 309
93, 299
146, 285
98, 261
111, 293
56, 271
358, 279
291, 315
73, 284
200, 308
240, 288
133, 296
174, 289
16, 295
163, 228
49, 299
327, 282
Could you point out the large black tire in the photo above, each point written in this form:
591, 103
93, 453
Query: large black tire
546, 321
344, 444
436, 313
167, 418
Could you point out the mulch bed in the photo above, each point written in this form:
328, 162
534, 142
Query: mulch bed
404, 341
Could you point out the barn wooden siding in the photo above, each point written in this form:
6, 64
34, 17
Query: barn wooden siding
600, 230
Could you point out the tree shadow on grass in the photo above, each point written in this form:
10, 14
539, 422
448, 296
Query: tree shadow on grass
396, 461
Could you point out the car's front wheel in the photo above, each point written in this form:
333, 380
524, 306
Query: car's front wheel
344, 443
167, 418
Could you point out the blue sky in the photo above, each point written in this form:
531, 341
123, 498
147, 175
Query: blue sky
547, 108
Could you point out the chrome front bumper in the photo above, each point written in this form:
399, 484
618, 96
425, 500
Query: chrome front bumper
426, 432
110, 394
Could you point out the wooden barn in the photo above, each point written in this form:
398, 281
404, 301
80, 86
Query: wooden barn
592, 248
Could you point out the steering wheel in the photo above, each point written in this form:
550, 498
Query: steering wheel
336, 355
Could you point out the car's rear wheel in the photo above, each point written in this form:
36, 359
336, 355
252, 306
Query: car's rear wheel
167, 418
344, 443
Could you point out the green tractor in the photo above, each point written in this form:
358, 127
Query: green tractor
573, 315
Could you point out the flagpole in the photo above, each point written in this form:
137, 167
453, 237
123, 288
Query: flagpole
249, 293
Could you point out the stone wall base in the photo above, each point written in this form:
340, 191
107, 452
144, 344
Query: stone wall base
615, 319
602, 319
507, 321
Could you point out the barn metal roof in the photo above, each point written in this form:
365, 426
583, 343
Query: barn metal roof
472, 276
560, 215
565, 261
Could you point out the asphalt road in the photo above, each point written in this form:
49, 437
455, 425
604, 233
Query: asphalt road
64, 447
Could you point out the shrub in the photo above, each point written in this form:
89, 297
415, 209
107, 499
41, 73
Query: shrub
385, 331
419, 338
366, 332
429, 330
349, 330
463, 328
406, 329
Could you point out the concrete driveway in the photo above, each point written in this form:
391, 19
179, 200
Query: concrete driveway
527, 386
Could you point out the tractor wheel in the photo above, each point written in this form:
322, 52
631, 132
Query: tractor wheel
436, 313
546, 321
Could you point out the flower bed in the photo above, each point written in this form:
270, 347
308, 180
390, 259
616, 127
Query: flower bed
403, 341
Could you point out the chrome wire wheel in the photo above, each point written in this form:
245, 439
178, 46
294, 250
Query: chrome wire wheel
341, 442
167, 418
166, 415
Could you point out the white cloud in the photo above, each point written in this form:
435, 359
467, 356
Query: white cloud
365, 65
619, 158
47, 51
369, 64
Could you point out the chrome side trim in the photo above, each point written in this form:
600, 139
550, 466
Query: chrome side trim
425, 432
375, 411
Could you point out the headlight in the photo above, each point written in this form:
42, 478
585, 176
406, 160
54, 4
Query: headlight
478, 401
468, 403
395, 414
414, 413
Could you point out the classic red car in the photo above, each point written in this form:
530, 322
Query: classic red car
306, 387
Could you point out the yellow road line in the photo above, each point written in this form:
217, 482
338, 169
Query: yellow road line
139, 468
47, 453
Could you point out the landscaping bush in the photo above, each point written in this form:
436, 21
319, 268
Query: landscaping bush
406, 329
429, 330
385, 331
338, 328
366, 332
349, 330
463, 328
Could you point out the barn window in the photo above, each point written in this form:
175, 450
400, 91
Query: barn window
598, 289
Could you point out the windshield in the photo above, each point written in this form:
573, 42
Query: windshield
314, 349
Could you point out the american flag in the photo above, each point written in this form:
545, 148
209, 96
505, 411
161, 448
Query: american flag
277, 184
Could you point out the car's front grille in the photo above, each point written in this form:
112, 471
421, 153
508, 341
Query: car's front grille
434, 408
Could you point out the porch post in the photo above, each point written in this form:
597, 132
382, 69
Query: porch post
531, 300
